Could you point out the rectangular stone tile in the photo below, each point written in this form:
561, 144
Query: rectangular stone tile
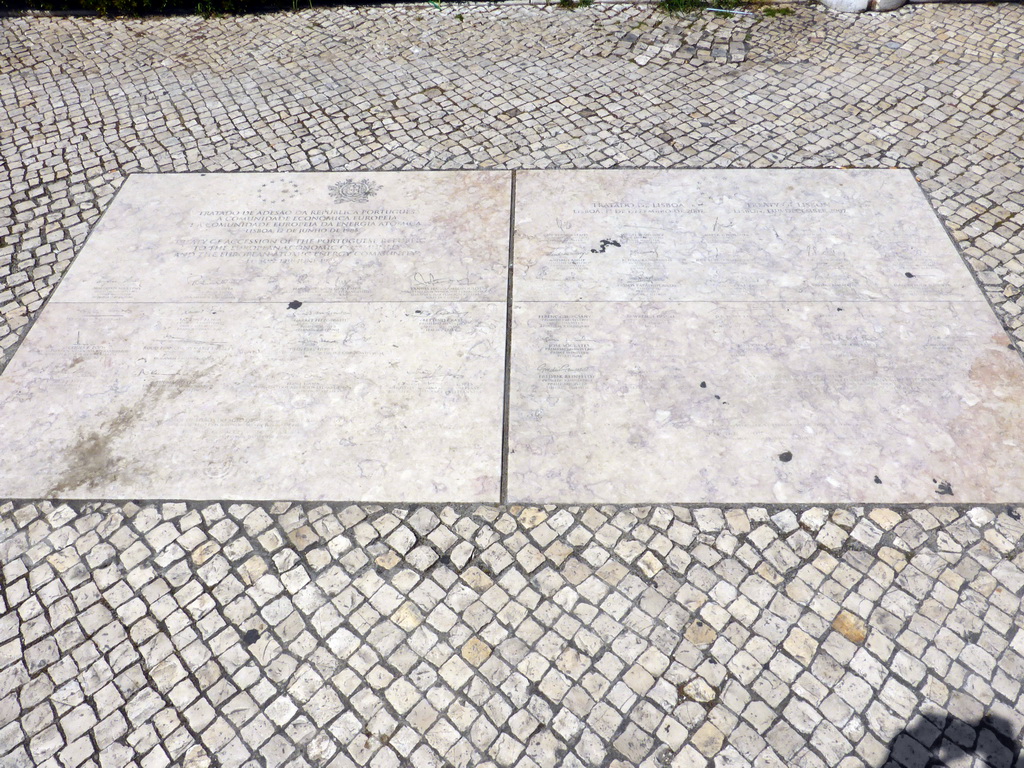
403, 236
272, 335
731, 235
770, 402
817, 372
329, 401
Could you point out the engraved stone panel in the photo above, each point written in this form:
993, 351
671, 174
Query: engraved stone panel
215, 339
438, 236
790, 336
736, 235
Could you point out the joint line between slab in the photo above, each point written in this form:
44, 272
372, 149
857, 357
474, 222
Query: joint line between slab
503, 492
752, 301
275, 302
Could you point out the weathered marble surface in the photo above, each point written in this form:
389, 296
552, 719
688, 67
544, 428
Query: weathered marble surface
160, 370
857, 6
695, 401
283, 237
818, 367
738, 336
731, 235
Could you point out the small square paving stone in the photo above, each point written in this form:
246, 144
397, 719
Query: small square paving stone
784, 335
272, 335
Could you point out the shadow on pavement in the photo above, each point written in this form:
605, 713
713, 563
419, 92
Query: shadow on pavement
992, 741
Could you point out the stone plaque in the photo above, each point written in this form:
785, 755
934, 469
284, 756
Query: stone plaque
752, 336
308, 336
707, 335
258, 237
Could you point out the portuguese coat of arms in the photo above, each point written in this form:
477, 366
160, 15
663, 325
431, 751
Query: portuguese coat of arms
352, 191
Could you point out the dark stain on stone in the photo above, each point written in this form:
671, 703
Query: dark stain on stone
604, 246
878, 479
250, 637
92, 461
383, 738
839, 309
1013, 513
943, 488
909, 274
785, 456
294, 304
703, 385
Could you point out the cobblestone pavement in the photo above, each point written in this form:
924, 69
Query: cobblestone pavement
664, 636
277, 635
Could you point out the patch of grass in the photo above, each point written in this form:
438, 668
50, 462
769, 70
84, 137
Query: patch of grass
692, 6
695, 6
572, 5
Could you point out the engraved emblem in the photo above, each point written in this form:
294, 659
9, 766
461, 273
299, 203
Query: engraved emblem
277, 191
352, 191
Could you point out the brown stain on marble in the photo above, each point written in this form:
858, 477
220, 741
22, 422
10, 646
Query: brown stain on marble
992, 430
92, 461
997, 366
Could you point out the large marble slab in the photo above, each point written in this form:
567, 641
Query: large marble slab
731, 235
403, 236
193, 353
752, 336
727, 336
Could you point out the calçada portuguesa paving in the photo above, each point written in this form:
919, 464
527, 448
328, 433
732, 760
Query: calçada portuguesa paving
229, 631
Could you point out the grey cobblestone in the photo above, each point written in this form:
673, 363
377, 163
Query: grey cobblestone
584, 658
